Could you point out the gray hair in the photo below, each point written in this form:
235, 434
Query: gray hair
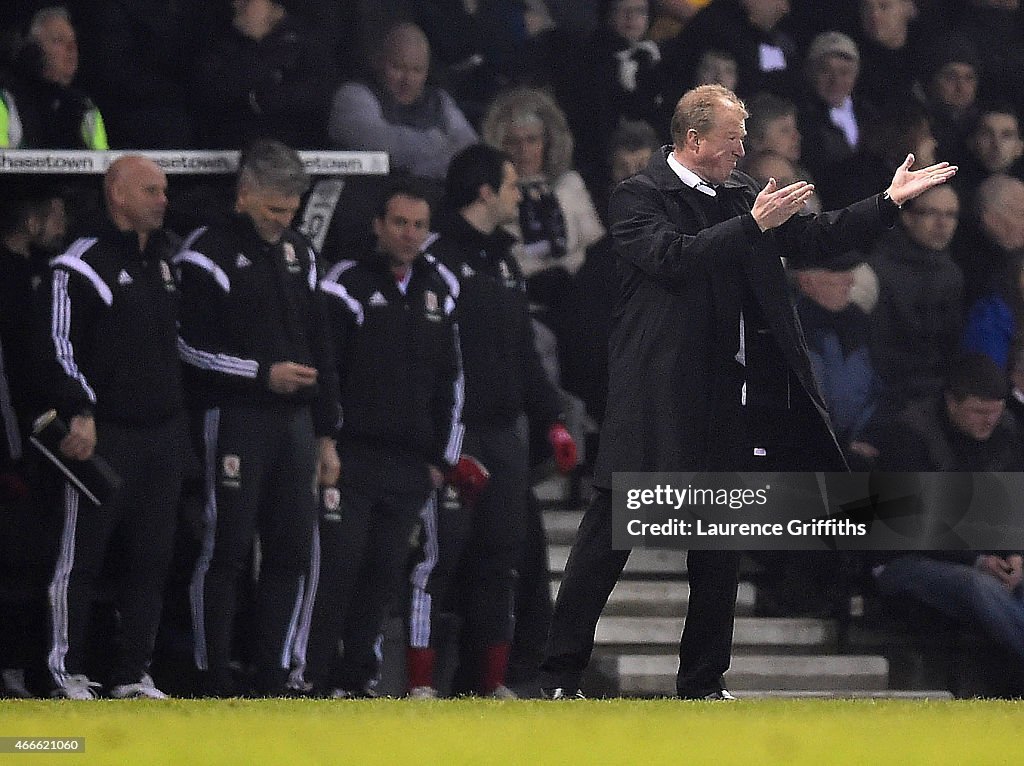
269, 164
44, 16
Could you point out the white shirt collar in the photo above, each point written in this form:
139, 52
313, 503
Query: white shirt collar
690, 178
844, 118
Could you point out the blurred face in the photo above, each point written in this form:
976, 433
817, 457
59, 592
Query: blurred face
718, 151
932, 218
833, 78
996, 141
60, 51
829, 289
1004, 222
255, 18
782, 136
715, 68
627, 162
405, 70
138, 196
49, 230
765, 14
629, 19
885, 21
270, 211
403, 229
955, 86
525, 144
975, 417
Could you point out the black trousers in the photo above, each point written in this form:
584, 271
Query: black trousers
137, 529
364, 542
477, 569
260, 466
590, 574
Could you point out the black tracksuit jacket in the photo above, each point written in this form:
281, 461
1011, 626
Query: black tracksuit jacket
397, 357
246, 305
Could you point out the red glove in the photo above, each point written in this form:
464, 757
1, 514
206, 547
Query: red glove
470, 478
564, 447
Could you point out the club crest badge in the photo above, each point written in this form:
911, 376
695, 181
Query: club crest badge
165, 275
291, 260
332, 504
231, 471
430, 303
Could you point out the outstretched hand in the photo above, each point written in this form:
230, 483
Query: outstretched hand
907, 184
774, 206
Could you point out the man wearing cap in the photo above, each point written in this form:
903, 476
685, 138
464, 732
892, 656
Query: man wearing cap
831, 118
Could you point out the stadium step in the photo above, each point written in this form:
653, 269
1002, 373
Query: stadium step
808, 633
642, 562
656, 674
661, 598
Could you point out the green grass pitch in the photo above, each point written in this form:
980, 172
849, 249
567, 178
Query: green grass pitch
522, 732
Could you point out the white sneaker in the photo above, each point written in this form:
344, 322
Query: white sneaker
13, 684
502, 692
143, 689
423, 693
77, 687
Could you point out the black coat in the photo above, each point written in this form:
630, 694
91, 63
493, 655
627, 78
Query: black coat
681, 287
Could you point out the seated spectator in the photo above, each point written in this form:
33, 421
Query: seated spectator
624, 67
749, 30
399, 111
887, 55
994, 321
917, 325
269, 76
966, 428
627, 153
838, 335
901, 128
996, 236
717, 68
772, 127
41, 109
996, 28
831, 120
950, 78
557, 220
993, 146
765, 165
135, 63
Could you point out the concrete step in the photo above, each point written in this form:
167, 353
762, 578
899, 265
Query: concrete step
554, 488
656, 674
661, 598
808, 633
560, 526
642, 562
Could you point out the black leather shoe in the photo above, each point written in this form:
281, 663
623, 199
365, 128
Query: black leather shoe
561, 693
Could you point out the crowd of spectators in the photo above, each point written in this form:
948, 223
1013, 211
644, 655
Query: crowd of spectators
578, 95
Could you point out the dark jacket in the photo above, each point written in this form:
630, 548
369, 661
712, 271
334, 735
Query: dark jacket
504, 376
682, 283
922, 438
114, 324
918, 323
246, 305
279, 87
397, 357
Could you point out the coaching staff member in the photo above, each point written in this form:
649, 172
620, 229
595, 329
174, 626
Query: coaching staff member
708, 366
258, 367
118, 384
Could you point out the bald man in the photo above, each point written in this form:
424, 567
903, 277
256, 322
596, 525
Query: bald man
399, 112
117, 383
